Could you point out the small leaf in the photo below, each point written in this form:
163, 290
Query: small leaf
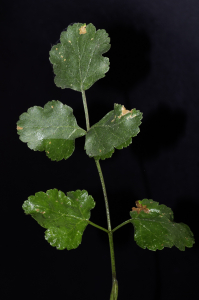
115, 130
65, 217
155, 228
52, 129
77, 60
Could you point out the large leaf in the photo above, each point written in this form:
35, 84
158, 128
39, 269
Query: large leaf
65, 217
52, 129
115, 130
77, 60
155, 228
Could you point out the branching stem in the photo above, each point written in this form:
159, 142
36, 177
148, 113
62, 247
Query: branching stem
97, 226
124, 223
109, 231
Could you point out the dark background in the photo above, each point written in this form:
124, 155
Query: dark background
154, 67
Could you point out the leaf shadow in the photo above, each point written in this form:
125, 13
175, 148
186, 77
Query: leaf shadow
129, 57
160, 130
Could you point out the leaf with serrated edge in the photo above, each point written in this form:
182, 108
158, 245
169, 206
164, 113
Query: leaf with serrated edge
52, 129
77, 60
155, 228
114, 130
64, 217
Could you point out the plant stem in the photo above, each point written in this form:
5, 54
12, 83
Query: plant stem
97, 226
126, 222
85, 110
110, 233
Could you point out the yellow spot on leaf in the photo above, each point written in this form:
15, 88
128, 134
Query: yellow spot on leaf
19, 128
140, 207
56, 48
64, 59
91, 39
82, 30
61, 56
43, 212
69, 42
37, 209
47, 152
51, 106
49, 142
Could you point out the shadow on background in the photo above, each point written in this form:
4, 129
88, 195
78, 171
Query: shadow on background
160, 130
129, 57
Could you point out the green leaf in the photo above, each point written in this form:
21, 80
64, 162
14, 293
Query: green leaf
115, 130
77, 60
52, 129
155, 228
64, 217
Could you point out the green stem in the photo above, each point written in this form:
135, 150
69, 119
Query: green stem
85, 110
97, 226
110, 234
126, 222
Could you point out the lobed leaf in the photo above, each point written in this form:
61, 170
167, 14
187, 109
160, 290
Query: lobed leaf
115, 130
155, 228
64, 217
52, 129
77, 60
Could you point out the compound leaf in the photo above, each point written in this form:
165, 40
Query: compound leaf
52, 129
155, 228
64, 217
115, 130
77, 60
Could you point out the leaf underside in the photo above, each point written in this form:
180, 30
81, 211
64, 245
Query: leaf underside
115, 130
64, 217
52, 129
77, 60
155, 229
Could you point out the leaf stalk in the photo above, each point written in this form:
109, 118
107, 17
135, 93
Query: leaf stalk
109, 231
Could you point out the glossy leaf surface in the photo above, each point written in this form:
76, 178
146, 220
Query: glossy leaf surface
52, 129
115, 130
154, 227
64, 217
77, 60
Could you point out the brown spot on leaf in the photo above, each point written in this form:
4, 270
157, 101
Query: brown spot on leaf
19, 128
140, 207
51, 106
47, 152
43, 212
124, 111
56, 48
37, 209
49, 142
69, 42
82, 30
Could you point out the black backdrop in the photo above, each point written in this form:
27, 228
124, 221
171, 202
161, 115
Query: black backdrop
154, 63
